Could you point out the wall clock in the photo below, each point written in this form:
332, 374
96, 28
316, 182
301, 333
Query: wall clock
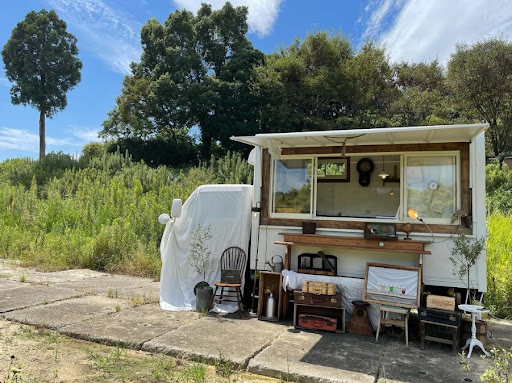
365, 168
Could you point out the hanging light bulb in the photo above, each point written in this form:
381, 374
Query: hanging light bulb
383, 174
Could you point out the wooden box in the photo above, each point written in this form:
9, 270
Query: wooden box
273, 282
481, 331
440, 302
317, 322
317, 300
319, 288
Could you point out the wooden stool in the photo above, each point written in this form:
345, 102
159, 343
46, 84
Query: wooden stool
384, 310
359, 321
453, 328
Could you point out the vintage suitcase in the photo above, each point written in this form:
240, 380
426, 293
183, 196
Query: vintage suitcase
439, 316
311, 299
319, 288
317, 322
440, 302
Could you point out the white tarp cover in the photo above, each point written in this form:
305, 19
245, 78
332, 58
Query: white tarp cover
227, 208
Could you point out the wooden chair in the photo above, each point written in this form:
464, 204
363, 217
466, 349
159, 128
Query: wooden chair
404, 313
233, 258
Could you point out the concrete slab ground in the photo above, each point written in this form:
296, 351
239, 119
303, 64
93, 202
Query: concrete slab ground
130, 328
120, 286
76, 303
315, 356
211, 337
32, 295
6, 284
69, 311
41, 277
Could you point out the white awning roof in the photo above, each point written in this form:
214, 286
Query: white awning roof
377, 136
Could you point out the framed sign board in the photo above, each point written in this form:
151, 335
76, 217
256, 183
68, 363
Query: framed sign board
392, 285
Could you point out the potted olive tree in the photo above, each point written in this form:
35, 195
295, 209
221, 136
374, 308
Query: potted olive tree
465, 253
201, 260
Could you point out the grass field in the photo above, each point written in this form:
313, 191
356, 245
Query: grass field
99, 215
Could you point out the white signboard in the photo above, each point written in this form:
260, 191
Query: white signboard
393, 285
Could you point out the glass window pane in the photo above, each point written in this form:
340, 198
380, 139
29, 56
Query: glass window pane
378, 199
432, 185
292, 186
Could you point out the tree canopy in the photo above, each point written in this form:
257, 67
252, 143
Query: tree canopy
194, 71
201, 71
321, 84
41, 60
481, 77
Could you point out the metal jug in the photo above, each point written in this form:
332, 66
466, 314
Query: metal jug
270, 306
276, 267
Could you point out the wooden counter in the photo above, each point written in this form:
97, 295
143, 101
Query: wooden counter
399, 246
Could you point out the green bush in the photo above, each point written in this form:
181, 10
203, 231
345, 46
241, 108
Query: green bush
499, 265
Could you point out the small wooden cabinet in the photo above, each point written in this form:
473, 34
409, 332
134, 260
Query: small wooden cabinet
273, 282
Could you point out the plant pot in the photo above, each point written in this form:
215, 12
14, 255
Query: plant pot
203, 298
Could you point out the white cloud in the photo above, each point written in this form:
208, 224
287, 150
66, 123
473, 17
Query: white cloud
4, 82
423, 30
110, 33
262, 13
23, 141
85, 134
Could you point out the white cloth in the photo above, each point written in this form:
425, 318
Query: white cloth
351, 290
227, 208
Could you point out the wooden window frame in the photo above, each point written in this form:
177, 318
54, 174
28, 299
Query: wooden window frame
463, 170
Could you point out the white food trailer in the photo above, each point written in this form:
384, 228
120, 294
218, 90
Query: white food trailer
412, 188
346, 180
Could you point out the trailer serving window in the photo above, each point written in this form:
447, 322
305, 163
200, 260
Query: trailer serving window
292, 186
428, 182
432, 184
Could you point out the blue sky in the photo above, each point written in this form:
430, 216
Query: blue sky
108, 40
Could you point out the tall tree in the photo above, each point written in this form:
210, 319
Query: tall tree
193, 71
372, 87
41, 60
305, 86
422, 94
481, 76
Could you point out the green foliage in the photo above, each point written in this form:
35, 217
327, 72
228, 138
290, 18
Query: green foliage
480, 76
423, 95
194, 71
67, 213
499, 264
41, 60
498, 183
305, 86
500, 371
200, 257
465, 253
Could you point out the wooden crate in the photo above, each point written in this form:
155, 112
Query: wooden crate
440, 302
273, 282
319, 288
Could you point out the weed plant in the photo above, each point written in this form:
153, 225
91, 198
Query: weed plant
499, 265
96, 212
